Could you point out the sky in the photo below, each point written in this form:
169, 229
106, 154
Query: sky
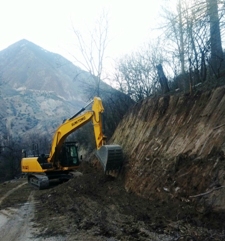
48, 23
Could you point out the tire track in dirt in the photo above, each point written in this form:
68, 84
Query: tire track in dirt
11, 191
17, 222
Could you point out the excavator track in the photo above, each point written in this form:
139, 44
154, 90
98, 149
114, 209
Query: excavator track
39, 181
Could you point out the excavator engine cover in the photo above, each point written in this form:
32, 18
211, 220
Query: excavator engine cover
111, 157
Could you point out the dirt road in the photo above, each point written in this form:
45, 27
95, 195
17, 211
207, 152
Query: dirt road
17, 212
24, 217
15, 220
94, 207
15, 223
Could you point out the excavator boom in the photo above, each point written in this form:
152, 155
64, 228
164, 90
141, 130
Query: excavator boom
63, 156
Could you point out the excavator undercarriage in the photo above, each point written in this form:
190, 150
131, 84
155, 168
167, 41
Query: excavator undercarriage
38, 180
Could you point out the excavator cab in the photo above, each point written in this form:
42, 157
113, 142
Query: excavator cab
68, 156
110, 156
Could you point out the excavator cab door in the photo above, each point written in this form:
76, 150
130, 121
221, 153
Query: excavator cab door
69, 155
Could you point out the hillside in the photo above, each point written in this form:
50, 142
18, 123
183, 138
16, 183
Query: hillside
26, 66
171, 186
37, 86
40, 89
174, 147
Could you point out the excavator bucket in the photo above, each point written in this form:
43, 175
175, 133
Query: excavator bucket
110, 157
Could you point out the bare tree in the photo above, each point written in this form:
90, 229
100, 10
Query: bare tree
136, 75
162, 79
92, 50
192, 34
10, 157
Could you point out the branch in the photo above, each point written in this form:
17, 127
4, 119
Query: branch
206, 193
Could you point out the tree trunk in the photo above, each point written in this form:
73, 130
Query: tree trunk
216, 61
162, 79
181, 36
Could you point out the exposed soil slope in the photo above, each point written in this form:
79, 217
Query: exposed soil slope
176, 143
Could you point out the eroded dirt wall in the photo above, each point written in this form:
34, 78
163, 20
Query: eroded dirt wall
171, 125
174, 145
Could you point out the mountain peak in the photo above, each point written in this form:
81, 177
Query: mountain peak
23, 43
27, 65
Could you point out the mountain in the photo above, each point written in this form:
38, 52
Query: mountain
39, 89
25, 65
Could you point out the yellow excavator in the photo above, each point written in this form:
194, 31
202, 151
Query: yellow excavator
63, 157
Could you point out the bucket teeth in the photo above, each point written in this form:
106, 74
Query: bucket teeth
110, 157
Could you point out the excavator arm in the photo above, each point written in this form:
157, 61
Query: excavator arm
63, 131
59, 163
110, 156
